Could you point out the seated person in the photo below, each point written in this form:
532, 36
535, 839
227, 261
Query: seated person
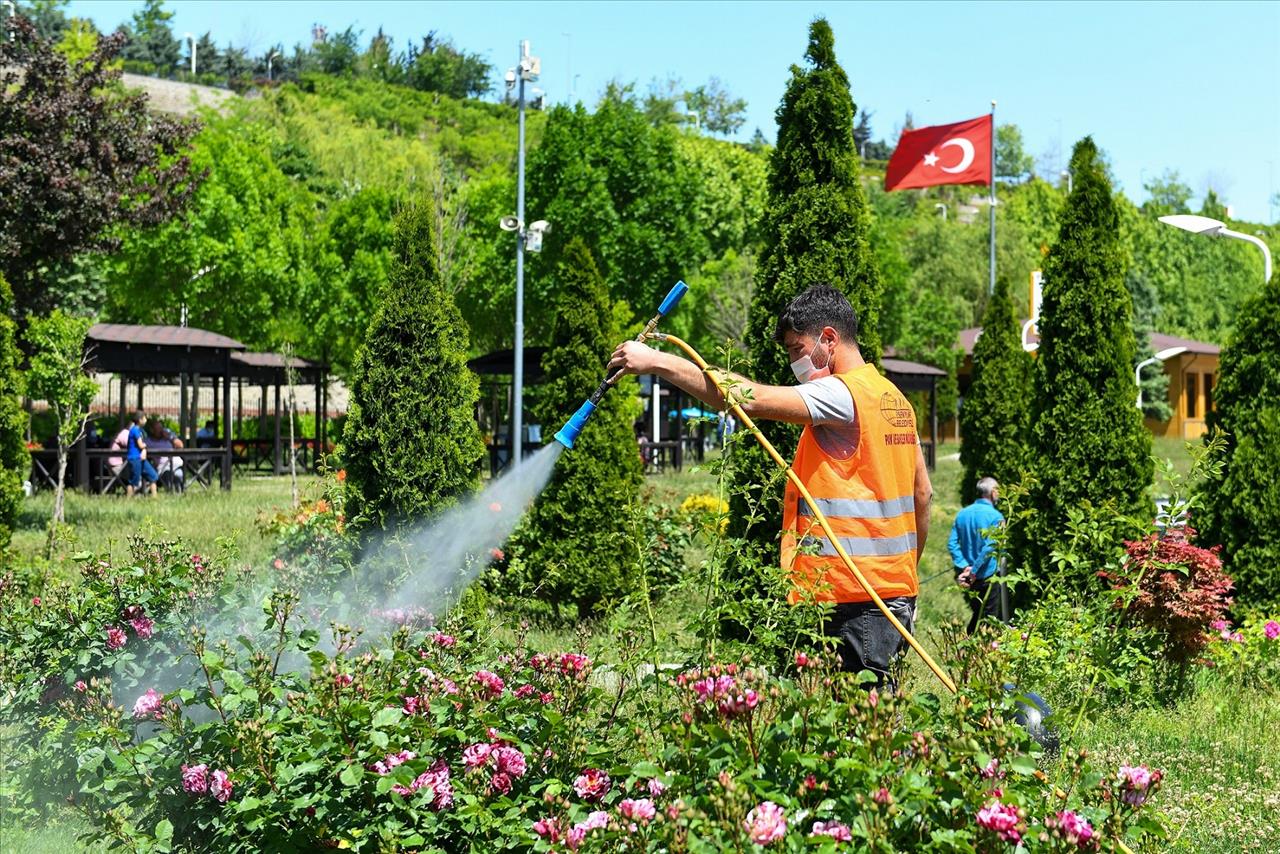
207, 436
161, 438
119, 443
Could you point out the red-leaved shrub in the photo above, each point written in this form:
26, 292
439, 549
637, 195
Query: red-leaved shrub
1181, 589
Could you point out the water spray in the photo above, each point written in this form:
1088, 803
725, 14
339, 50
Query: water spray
568, 434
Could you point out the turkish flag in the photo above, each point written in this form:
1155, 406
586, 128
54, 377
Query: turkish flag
942, 154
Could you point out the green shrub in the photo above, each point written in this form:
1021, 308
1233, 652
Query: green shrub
1242, 502
993, 420
14, 462
1088, 443
816, 231
573, 543
411, 444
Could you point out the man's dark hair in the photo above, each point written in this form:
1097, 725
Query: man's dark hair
138, 415
816, 307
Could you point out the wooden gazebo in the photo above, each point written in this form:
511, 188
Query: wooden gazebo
267, 370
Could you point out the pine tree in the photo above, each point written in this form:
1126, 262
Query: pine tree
574, 540
14, 462
411, 444
1088, 443
1242, 505
816, 227
993, 419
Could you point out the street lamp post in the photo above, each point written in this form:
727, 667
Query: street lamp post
526, 71
1162, 356
1216, 228
192, 41
270, 57
941, 207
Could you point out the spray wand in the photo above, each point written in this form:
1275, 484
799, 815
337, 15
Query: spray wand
568, 434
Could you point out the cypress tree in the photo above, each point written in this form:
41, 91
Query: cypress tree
14, 462
816, 231
411, 444
1242, 503
993, 419
573, 543
1087, 442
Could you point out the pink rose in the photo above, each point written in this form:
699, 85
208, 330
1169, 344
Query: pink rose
641, 810
592, 784
1271, 630
509, 760
195, 779
766, 824
1136, 782
548, 828
116, 637
35, 601
596, 820
525, 691
80, 686
149, 705
220, 786
656, 787
143, 627
1075, 828
574, 837
1002, 819
342, 680
444, 641
802, 660
837, 831
491, 683
501, 783
476, 755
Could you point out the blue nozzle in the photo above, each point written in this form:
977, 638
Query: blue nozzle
673, 298
568, 434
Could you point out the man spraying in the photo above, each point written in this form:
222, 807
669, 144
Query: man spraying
972, 548
860, 458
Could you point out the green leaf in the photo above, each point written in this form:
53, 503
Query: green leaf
379, 738
351, 775
1023, 764
164, 830
388, 716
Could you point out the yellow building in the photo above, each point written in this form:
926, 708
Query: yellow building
1193, 374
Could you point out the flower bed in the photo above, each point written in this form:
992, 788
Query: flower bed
431, 739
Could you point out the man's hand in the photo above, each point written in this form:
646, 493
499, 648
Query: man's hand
966, 578
633, 357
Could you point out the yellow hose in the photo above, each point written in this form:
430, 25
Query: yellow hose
817, 513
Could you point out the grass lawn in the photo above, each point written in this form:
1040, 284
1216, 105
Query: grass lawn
201, 518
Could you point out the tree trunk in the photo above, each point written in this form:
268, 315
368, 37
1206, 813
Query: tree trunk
58, 490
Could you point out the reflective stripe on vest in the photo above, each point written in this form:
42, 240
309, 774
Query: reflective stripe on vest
866, 508
861, 546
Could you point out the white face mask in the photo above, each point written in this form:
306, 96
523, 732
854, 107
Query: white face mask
805, 369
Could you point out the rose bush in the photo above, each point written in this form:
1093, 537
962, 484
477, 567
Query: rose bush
437, 740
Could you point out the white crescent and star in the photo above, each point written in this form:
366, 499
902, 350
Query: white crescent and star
966, 158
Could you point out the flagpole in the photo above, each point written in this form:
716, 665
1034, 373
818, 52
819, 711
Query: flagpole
993, 197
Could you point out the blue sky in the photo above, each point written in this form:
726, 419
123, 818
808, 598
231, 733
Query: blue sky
1174, 85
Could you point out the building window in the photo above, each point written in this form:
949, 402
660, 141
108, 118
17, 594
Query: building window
1193, 391
1208, 393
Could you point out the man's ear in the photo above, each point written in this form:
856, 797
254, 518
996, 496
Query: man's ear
830, 333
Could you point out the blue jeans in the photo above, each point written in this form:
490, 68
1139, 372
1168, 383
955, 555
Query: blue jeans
140, 469
866, 640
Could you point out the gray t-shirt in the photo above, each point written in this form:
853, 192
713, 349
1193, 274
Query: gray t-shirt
834, 417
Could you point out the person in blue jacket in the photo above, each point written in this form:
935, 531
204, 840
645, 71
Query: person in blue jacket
972, 548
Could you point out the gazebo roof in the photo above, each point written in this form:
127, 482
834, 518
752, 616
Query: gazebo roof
911, 376
502, 363
158, 350
271, 368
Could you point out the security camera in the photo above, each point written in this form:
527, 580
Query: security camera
509, 223
540, 225
510, 77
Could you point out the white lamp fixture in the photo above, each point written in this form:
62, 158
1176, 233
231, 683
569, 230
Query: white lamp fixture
1216, 228
1162, 356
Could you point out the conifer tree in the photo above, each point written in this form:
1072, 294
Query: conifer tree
1242, 504
993, 419
411, 444
573, 543
14, 462
1088, 443
816, 227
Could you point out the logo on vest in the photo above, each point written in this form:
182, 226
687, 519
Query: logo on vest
895, 409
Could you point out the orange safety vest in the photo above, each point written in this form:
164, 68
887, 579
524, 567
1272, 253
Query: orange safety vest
869, 499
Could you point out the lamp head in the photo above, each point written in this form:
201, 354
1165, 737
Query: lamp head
509, 223
1195, 224
1170, 352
